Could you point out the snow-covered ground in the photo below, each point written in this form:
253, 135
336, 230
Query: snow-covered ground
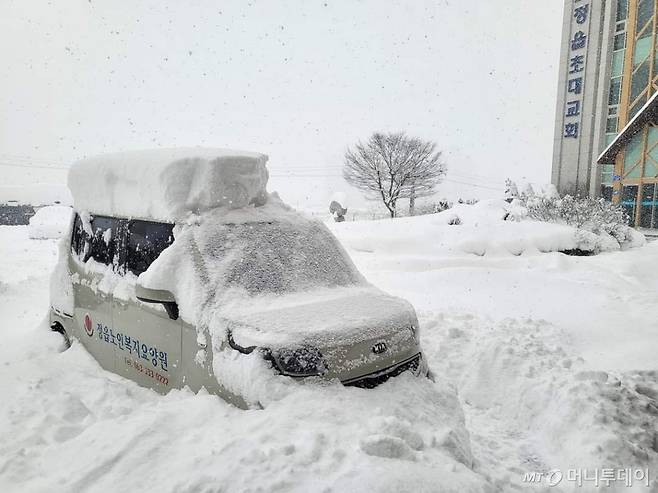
542, 361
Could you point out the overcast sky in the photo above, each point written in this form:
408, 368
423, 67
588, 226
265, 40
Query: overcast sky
297, 80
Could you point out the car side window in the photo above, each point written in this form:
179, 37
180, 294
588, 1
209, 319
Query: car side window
102, 246
78, 236
146, 241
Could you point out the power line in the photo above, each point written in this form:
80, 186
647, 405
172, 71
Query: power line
28, 159
476, 185
33, 166
291, 174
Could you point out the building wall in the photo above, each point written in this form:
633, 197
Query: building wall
618, 71
636, 167
582, 102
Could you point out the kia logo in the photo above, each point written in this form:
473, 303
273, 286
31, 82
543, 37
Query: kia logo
379, 348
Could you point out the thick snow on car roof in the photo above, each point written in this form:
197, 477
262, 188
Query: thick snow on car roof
168, 184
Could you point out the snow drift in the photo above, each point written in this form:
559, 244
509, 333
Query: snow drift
541, 384
51, 221
483, 228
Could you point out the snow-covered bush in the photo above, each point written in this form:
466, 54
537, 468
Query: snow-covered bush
595, 215
600, 224
511, 191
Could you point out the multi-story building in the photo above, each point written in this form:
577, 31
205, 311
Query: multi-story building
606, 138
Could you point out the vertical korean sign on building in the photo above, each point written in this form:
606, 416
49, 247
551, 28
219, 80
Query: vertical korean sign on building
576, 68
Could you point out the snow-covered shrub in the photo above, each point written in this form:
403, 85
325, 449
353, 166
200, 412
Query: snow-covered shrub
511, 191
595, 215
541, 208
600, 224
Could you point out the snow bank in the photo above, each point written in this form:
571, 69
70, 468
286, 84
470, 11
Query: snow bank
481, 231
527, 375
168, 184
552, 356
50, 222
478, 229
319, 437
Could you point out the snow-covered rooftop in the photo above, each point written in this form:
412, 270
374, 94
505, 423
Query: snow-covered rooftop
168, 184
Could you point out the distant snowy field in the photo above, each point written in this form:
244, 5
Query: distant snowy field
542, 361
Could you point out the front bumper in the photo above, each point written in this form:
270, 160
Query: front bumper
416, 364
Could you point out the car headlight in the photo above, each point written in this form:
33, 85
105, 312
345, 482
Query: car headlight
300, 362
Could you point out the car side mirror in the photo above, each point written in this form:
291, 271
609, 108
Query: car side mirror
162, 296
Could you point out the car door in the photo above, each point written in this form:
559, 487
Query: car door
93, 254
149, 349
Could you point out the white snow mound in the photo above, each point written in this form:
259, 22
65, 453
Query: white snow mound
168, 184
50, 222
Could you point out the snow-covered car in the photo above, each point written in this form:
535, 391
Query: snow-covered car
181, 270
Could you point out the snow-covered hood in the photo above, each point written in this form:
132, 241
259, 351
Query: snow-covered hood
328, 317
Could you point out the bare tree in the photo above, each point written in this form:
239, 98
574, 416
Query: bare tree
393, 166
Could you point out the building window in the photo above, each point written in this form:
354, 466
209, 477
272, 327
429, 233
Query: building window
622, 10
611, 125
615, 91
644, 14
617, 64
651, 159
633, 152
637, 106
639, 80
647, 206
620, 42
650, 166
628, 200
642, 48
606, 174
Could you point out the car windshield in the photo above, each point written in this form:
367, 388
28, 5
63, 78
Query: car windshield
277, 257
